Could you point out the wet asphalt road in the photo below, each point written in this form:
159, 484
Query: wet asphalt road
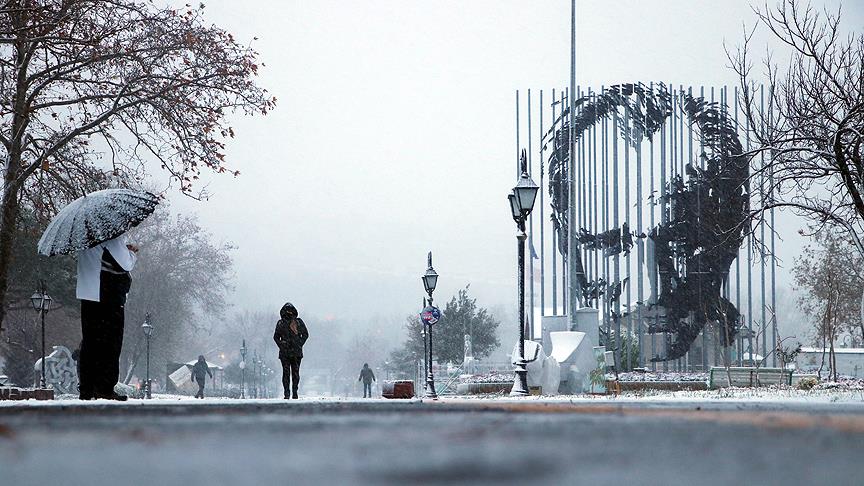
461, 442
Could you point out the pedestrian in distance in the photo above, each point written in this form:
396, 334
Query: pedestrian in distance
367, 377
103, 283
290, 336
199, 374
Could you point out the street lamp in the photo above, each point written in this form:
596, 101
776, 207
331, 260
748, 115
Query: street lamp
148, 331
42, 303
521, 203
256, 368
243, 369
429, 317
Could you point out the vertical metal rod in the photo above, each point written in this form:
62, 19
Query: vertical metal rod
585, 153
518, 142
774, 334
616, 223
683, 160
628, 141
571, 207
698, 211
762, 235
579, 183
530, 321
673, 152
595, 228
652, 222
607, 306
640, 248
542, 219
740, 344
661, 282
565, 256
555, 233
751, 350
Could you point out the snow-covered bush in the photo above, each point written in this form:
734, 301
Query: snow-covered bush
807, 383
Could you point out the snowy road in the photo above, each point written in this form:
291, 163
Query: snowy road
450, 442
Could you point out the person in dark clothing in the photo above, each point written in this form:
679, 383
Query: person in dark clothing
103, 283
367, 377
199, 374
290, 336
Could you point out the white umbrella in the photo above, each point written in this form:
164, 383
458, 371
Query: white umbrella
95, 218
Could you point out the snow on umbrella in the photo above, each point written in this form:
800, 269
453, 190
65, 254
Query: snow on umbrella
95, 218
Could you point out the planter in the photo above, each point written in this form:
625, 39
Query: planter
398, 389
494, 388
657, 385
13, 393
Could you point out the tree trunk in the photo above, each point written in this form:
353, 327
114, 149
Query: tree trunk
822, 362
9, 203
9, 210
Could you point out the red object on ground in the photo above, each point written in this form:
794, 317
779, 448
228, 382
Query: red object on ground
398, 389
14, 393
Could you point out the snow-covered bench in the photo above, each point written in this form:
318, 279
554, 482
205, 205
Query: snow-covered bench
748, 377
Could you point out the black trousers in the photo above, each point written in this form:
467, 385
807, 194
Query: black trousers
290, 374
200, 393
102, 335
101, 342
367, 389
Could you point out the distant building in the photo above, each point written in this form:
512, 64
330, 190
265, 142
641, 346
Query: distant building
850, 361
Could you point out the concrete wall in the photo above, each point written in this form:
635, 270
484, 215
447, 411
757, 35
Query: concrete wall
850, 361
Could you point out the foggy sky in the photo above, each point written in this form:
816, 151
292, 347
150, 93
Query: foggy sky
394, 134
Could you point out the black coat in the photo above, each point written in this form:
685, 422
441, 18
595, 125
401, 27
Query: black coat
290, 343
367, 376
200, 371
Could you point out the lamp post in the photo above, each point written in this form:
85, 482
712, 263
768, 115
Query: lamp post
243, 370
42, 303
429, 317
148, 331
521, 203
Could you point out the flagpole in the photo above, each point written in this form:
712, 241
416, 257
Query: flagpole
571, 220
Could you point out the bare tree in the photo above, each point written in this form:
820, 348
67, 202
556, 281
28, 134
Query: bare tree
810, 120
182, 279
137, 83
828, 276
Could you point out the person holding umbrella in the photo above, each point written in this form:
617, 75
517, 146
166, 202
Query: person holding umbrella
103, 283
94, 228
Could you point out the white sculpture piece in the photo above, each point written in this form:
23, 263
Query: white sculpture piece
574, 351
469, 364
61, 372
543, 371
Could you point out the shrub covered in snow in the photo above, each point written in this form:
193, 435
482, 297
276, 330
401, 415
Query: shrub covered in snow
807, 383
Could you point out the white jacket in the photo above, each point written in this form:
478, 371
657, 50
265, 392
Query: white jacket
90, 265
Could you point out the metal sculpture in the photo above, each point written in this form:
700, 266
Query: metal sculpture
61, 370
704, 215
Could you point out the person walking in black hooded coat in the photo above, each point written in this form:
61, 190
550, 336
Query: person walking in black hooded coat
290, 336
199, 374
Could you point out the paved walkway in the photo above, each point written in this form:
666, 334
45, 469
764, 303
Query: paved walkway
165, 442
